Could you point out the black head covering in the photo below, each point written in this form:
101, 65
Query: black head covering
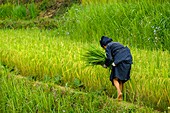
104, 41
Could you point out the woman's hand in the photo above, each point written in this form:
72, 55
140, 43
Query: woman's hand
104, 66
113, 64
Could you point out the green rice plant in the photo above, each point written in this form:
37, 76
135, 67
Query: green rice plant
94, 56
19, 94
41, 56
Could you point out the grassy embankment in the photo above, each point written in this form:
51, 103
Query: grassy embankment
42, 14
19, 94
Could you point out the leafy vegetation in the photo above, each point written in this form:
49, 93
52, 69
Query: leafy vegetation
139, 25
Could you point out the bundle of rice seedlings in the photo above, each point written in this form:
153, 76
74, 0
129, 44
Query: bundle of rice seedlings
94, 56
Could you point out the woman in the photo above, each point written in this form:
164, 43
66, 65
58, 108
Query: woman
121, 59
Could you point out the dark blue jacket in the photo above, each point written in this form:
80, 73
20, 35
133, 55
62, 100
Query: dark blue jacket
116, 52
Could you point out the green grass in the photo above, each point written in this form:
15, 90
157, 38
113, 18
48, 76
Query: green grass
15, 12
40, 56
87, 2
143, 25
19, 94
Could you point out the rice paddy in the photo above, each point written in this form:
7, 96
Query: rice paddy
59, 70
57, 60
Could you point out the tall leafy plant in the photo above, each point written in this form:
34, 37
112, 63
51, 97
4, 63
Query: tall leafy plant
33, 11
6, 11
19, 12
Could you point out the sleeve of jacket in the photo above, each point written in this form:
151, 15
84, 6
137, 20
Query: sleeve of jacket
109, 58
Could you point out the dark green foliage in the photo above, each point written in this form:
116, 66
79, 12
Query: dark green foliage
17, 24
6, 11
33, 11
45, 4
19, 12
15, 12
